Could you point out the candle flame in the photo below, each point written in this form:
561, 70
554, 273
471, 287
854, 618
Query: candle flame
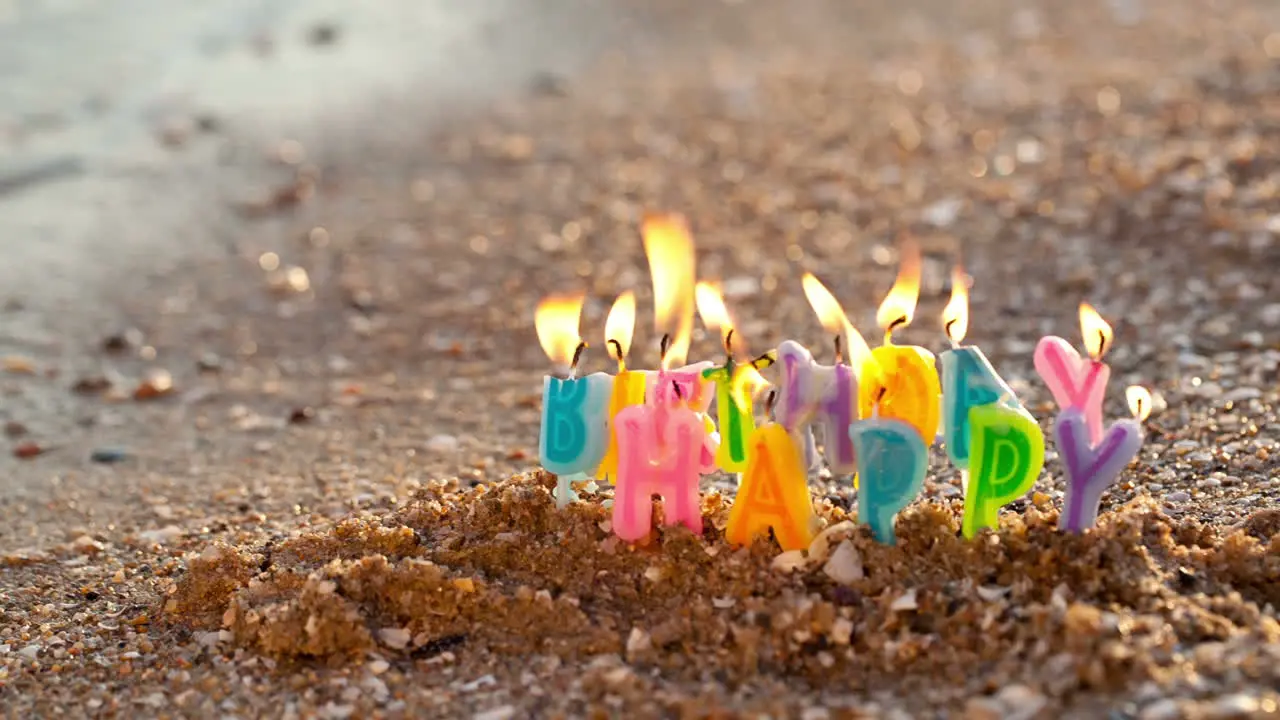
1096, 331
1139, 401
556, 321
955, 316
620, 326
834, 320
899, 305
715, 315
669, 247
745, 384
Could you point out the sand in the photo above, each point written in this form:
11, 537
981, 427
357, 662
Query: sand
335, 510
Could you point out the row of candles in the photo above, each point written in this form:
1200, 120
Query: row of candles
878, 411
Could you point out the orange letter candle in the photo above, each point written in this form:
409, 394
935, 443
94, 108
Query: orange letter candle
773, 492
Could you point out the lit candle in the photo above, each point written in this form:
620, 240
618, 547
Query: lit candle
968, 380
774, 491
892, 461
1092, 468
664, 445
1077, 382
573, 409
833, 391
736, 421
628, 385
906, 386
794, 408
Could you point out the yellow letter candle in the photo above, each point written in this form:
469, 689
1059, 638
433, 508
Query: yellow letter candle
773, 493
906, 385
628, 385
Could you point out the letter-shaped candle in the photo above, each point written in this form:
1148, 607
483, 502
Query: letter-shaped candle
628, 385
1006, 454
794, 409
773, 493
573, 409
1077, 382
736, 420
906, 386
1092, 469
831, 393
968, 380
663, 448
892, 462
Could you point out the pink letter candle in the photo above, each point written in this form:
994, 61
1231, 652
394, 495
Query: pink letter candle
1077, 382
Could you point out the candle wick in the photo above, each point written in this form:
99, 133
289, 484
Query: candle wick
1102, 344
769, 401
839, 351
951, 339
577, 357
617, 347
888, 332
875, 407
728, 347
675, 385
663, 346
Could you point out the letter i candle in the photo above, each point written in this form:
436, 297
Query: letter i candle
736, 419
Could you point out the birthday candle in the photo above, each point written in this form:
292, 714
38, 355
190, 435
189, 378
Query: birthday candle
906, 385
835, 389
774, 491
794, 409
892, 462
736, 421
1077, 382
665, 444
968, 380
573, 409
628, 385
1092, 468
662, 449
1006, 454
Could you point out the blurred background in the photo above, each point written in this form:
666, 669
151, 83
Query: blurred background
268, 212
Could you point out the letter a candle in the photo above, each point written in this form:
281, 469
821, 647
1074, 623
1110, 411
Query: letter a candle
773, 493
573, 409
985, 430
906, 386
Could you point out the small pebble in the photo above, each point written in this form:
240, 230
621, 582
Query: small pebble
1178, 496
442, 444
108, 455
845, 564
